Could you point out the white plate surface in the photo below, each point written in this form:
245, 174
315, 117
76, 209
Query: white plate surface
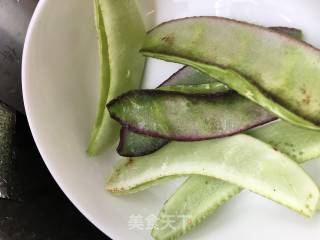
60, 84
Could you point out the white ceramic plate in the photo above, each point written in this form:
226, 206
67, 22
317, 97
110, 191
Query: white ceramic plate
60, 85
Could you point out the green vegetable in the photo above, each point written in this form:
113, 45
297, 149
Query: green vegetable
188, 76
133, 144
186, 117
200, 196
121, 65
205, 88
277, 72
8, 182
299, 144
292, 32
240, 159
195, 200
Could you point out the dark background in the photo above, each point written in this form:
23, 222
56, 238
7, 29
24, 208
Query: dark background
43, 212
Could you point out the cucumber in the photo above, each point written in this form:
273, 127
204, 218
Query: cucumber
121, 64
276, 71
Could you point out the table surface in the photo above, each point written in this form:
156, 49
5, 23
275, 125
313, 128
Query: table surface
44, 212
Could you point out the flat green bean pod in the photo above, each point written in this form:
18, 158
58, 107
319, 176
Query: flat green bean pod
133, 144
187, 117
186, 80
200, 196
259, 168
121, 65
196, 199
274, 70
